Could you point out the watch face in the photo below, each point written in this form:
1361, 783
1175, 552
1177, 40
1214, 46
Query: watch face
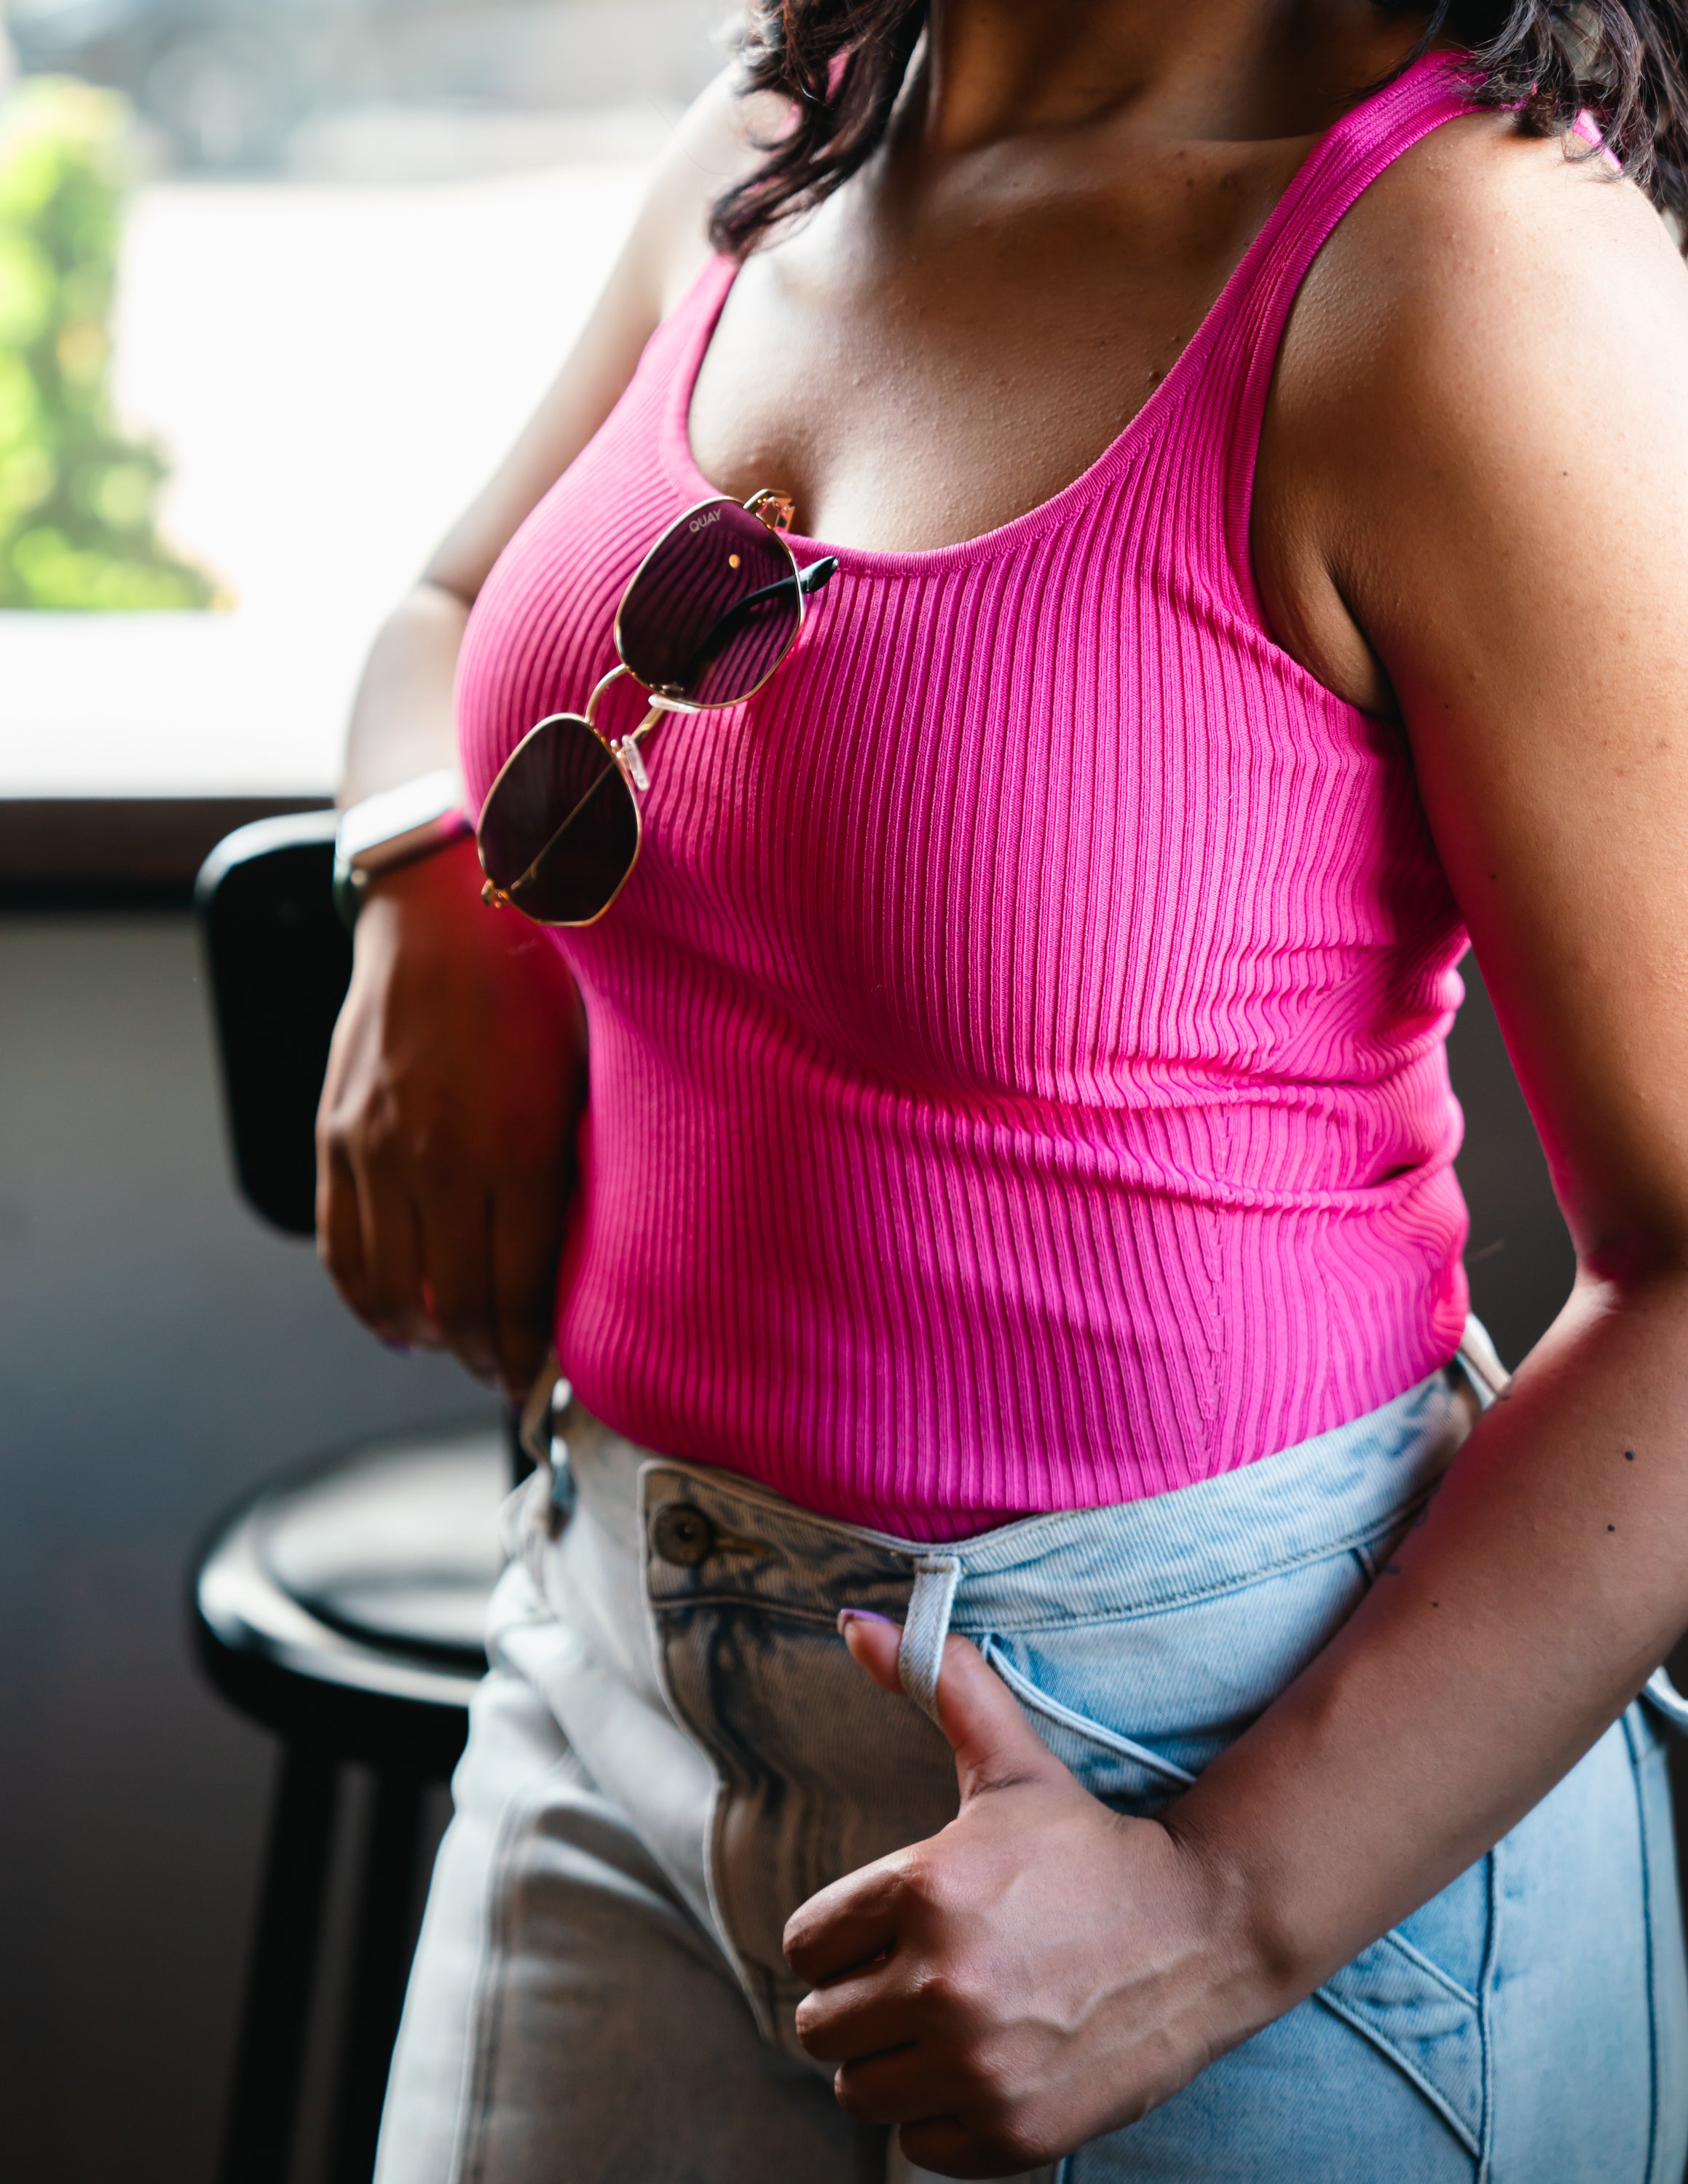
399, 822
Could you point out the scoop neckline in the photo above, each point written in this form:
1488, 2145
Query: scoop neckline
722, 271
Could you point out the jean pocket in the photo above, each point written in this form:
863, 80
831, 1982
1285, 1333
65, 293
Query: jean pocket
1119, 1770
1411, 1995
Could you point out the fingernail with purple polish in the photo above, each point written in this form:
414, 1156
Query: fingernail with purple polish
863, 1615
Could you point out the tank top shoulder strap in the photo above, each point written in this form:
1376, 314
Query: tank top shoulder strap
1245, 329
654, 405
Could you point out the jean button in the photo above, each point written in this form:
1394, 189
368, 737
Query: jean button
681, 1535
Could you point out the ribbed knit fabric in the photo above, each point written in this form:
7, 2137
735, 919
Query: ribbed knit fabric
1017, 1062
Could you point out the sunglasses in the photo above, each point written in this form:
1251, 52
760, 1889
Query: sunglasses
711, 612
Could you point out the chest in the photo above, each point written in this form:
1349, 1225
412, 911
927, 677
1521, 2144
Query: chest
1007, 822
918, 374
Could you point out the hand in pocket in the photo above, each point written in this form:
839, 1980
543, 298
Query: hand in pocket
1040, 1971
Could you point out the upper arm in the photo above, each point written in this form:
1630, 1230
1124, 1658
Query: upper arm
666, 247
1490, 431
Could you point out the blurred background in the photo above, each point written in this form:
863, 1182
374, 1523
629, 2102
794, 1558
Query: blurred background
278, 281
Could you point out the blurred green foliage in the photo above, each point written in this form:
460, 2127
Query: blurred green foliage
77, 495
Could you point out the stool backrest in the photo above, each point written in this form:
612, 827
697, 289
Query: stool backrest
279, 961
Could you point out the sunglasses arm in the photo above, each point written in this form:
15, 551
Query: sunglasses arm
727, 626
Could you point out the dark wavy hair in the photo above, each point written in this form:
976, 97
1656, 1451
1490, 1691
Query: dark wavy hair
842, 62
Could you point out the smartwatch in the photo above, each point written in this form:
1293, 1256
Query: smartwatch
395, 828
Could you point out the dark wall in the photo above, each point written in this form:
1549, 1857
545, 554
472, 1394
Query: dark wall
1518, 1257
158, 1353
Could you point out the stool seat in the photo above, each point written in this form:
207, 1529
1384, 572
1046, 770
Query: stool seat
342, 1606
394, 1544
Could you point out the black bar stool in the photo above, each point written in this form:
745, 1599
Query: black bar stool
342, 1605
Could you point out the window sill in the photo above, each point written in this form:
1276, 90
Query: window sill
83, 852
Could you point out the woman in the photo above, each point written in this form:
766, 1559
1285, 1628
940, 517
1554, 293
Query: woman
1014, 1213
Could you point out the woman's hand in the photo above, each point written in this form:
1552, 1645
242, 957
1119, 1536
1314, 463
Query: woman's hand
1040, 1971
446, 1128
444, 1140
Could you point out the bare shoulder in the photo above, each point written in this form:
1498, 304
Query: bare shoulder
718, 141
1493, 344
1487, 286
669, 242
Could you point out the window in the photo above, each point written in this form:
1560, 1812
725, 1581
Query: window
364, 235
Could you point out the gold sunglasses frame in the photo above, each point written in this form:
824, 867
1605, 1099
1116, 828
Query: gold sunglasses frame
770, 507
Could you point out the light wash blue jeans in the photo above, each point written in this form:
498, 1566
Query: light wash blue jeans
674, 1751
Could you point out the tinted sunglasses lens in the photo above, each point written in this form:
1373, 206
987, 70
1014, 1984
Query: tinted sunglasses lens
562, 800
714, 609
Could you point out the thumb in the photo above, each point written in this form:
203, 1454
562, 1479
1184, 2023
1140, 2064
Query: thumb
995, 1745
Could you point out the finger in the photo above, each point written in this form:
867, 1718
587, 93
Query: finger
392, 1298
946, 2146
874, 1641
339, 1230
526, 1233
995, 1745
457, 1266
845, 1927
903, 2084
861, 2013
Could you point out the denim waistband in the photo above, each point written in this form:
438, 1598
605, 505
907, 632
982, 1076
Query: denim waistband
710, 1534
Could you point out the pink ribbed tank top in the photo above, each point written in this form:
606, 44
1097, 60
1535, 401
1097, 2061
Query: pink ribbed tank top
1017, 1062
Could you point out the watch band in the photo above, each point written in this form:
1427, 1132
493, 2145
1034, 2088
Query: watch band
395, 828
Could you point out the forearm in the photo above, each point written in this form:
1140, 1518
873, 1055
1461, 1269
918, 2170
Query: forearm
402, 722
1505, 1635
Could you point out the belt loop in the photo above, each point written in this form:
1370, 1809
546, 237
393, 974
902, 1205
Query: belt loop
550, 1400
1479, 1360
550, 1396
921, 1655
